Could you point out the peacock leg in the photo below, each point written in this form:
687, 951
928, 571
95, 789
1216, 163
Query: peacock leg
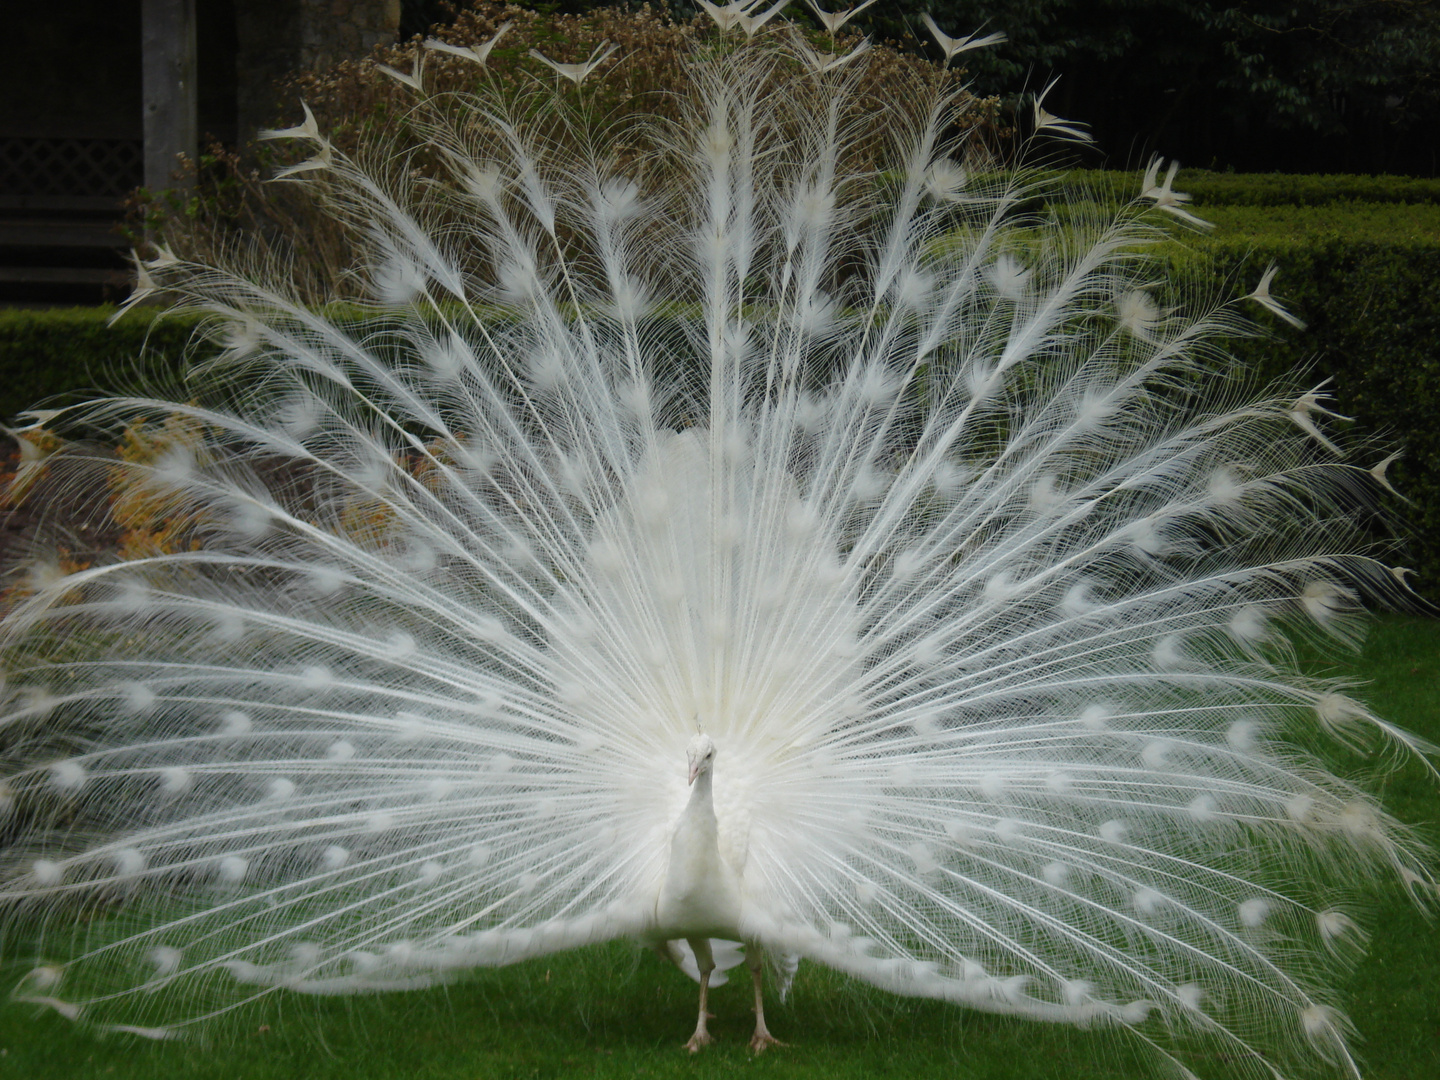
705, 961
762, 1039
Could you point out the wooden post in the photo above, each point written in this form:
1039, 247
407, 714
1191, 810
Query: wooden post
168, 41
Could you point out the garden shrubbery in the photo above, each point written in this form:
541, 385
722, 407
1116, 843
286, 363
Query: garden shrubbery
1374, 332
287, 234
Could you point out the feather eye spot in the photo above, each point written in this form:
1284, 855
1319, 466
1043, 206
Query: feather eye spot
1169, 654
45, 977
1250, 625
175, 780
69, 776
950, 479
325, 581
362, 961
139, 699
1156, 754
1075, 992
573, 694
1324, 600
1009, 277
1340, 716
1000, 588
1320, 1024
1224, 487
907, 564
1148, 901
1135, 1012
926, 722
1008, 830
902, 774
1253, 912
166, 960
1202, 809
1241, 735
439, 788
316, 678
129, 862
280, 789
400, 645
1299, 808
1334, 925
408, 727
959, 833
1360, 821
924, 859
235, 722
993, 786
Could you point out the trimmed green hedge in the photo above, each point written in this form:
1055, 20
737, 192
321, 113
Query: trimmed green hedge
1276, 189
68, 353
1373, 311
1304, 226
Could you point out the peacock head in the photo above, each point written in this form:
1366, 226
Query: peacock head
701, 754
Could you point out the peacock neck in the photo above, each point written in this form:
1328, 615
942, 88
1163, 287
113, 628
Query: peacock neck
702, 800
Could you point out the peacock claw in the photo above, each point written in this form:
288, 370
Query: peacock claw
699, 1039
762, 1041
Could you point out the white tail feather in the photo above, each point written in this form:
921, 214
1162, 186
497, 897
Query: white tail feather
978, 573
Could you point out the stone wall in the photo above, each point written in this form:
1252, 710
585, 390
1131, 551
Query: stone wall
278, 36
333, 30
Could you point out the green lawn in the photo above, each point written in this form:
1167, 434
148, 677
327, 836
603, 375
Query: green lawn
616, 1011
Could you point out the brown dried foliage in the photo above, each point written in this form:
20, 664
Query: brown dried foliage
289, 234
153, 519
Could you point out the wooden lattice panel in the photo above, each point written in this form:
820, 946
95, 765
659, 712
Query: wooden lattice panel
69, 167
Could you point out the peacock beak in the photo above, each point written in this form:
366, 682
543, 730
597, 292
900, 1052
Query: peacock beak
694, 770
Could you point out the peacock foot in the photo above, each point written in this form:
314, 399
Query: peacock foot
699, 1039
762, 1041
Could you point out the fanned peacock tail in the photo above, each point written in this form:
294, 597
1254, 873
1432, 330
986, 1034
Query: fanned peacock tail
976, 561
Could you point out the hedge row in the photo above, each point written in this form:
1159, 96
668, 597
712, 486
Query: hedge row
1279, 189
71, 353
1305, 226
1373, 315
1370, 301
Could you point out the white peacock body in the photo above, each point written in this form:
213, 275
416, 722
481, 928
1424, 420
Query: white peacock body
975, 562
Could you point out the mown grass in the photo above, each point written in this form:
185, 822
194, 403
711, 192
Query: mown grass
618, 1012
